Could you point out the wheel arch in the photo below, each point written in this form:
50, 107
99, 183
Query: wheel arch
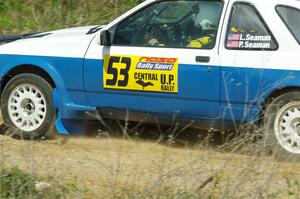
273, 95
26, 68
276, 93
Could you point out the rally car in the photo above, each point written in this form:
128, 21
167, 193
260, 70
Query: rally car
215, 64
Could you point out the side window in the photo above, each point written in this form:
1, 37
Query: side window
290, 16
172, 24
247, 30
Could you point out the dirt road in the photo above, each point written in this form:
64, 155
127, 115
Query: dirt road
113, 167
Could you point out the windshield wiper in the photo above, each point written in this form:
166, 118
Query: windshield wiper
94, 30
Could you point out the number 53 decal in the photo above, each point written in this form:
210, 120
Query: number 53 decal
118, 62
154, 74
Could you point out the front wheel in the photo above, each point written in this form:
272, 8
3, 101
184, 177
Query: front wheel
282, 125
27, 107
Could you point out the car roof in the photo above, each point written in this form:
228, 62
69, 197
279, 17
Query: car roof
265, 3
295, 3
160, 0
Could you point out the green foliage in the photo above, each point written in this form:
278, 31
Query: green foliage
22, 16
293, 187
15, 184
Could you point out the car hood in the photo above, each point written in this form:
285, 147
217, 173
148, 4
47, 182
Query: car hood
77, 31
71, 42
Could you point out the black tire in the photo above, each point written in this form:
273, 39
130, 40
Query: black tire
45, 127
273, 110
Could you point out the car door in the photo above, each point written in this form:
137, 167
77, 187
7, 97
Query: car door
162, 59
245, 76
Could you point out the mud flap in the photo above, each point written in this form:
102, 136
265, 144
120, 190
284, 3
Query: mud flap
68, 126
59, 123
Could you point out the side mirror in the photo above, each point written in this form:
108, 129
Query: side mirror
105, 38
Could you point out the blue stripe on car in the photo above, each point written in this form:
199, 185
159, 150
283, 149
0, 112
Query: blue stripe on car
225, 93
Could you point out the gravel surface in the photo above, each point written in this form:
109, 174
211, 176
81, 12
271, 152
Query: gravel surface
114, 167
102, 165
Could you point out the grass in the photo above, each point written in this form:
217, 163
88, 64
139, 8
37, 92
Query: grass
146, 164
16, 184
24, 16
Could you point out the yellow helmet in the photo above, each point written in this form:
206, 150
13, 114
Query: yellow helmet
201, 42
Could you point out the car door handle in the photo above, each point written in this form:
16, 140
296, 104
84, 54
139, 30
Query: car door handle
202, 59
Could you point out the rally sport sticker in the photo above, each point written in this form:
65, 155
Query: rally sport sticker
154, 74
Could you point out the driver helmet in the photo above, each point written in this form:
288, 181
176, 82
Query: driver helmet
208, 15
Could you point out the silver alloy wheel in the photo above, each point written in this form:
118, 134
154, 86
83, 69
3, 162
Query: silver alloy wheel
287, 127
27, 107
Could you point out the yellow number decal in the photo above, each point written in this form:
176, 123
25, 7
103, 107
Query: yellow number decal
154, 74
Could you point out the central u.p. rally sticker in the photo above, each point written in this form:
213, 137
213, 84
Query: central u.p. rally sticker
141, 73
